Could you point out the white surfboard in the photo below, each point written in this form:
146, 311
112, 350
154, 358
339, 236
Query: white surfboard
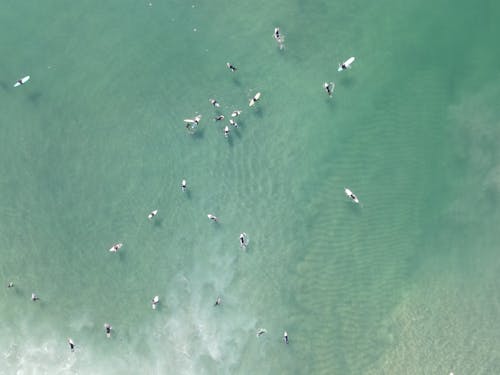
22, 81
116, 247
154, 302
254, 99
152, 214
351, 195
346, 64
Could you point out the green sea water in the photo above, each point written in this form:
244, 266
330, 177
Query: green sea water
405, 283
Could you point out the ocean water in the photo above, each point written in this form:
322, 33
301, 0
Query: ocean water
405, 283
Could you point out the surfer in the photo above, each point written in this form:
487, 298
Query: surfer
278, 37
21, 81
346, 64
285, 337
231, 67
34, 297
232, 122
254, 100
226, 131
218, 301
116, 247
71, 344
243, 240
261, 331
152, 214
236, 113
329, 87
219, 118
154, 302
10, 284
183, 185
213, 217
215, 103
351, 195
108, 328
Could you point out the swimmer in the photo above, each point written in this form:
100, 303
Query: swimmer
351, 195
215, 103
116, 247
183, 185
10, 284
108, 328
226, 131
218, 301
285, 337
152, 214
71, 344
329, 87
254, 100
213, 217
154, 302
261, 331
219, 118
195, 120
236, 113
232, 122
21, 81
243, 240
34, 297
231, 67
346, 64
278, 37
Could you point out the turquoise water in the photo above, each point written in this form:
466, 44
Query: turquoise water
407, 283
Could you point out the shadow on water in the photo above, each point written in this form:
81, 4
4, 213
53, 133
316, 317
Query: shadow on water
330, 102
188, 193
198, 134
4, 85
237, 133
35, 97
230, 140
237, 81
259, 112
347, 81
356, 208
158, 222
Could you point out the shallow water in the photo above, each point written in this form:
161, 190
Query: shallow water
404, 283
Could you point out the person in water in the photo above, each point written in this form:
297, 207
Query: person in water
34, 297
71, 344
218, 301
329, 86
213, 217
107, 329
10, 284
243, 242
231, 67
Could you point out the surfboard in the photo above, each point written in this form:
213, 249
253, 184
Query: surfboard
346, 63
254, 99
116, 247
22, 81
351, 195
